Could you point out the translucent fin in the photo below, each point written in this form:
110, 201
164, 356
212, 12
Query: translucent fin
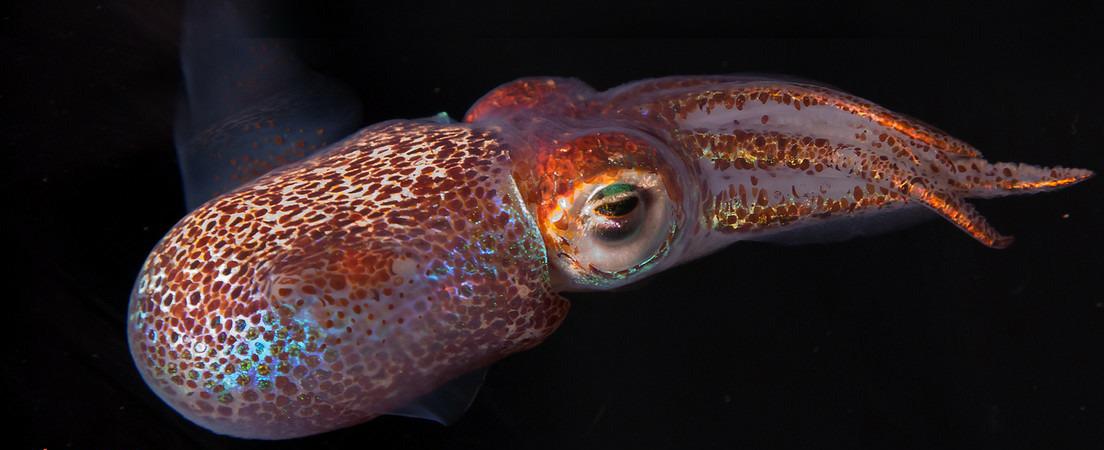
449, 402
249, 104
842, 228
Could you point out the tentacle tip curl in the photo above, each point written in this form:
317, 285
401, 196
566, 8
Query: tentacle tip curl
1001, 242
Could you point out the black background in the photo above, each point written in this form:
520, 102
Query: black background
920, 338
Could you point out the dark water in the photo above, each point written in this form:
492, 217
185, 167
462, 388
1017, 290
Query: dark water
916, 339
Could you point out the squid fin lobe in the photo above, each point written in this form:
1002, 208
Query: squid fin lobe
249, 104
446, 404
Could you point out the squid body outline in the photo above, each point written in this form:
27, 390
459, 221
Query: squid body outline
369, 276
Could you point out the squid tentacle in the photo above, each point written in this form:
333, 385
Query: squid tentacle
941, 191
982, 179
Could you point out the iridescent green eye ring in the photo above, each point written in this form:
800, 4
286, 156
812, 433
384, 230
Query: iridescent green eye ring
623, 200
618, 208
614, 190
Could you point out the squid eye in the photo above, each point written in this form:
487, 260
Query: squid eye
619, 212
621, 226
616, 227
618, 208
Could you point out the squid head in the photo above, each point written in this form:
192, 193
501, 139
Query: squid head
627, 182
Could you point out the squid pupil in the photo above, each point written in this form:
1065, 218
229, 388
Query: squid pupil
617, 231
618, 208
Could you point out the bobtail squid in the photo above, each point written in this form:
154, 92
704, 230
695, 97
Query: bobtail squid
356, 281
325, 285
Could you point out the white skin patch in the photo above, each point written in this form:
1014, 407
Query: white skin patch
822, 121
783, 183
404, 267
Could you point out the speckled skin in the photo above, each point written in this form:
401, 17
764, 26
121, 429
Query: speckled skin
341, 287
